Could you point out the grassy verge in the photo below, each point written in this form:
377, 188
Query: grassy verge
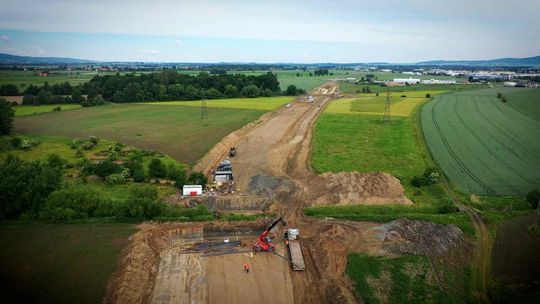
407, 279
33, 110
68, 263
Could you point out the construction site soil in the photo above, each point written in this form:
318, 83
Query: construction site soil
203, 262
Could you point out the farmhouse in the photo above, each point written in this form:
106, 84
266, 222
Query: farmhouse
407, 80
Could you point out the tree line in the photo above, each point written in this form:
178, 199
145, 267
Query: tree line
160, 86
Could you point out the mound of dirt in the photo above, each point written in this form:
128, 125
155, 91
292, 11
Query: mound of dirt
270, 186
419, 237
348, 188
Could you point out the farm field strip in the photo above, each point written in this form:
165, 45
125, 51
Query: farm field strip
31, 110
373, 105
260, 103
483, 145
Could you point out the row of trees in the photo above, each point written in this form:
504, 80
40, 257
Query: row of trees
161, 86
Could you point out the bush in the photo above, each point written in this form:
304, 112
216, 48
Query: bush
93, 139
87, 145
106, 168
24, 185
115, 179
181, 180
499, 95
26, 145
139, 175
57, 109
250, 91
447, 207
428, 95
174, 171
6, 116
156, 168
533, 197
403, 96
15, 142
143, 202
197, 178
418, 181
55, 161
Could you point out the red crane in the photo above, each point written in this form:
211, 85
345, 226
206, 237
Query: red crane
264, 242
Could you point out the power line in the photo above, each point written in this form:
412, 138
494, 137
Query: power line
204, 109
387, 105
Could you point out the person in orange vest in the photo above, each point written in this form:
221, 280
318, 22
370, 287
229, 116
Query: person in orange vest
246, 268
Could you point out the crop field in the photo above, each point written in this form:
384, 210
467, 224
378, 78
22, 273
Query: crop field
351, 88
410, 279
515, 259
32, 110
260, 103
483, 145
171, 129
68, 263
22, 79
374, 105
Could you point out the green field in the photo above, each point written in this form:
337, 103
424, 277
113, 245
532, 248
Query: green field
483, 145
401, 104
351, 88
22, 79
260, 103
171, 129
32, 110
69, 263
410, 279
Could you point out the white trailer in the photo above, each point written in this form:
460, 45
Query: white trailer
192, 190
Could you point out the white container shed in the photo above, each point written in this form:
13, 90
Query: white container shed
192, 190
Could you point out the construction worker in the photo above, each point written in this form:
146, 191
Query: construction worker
246, 268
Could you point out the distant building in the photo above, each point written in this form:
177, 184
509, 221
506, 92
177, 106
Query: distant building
407, 80
510, 84
386, 70
437, 81
351, 79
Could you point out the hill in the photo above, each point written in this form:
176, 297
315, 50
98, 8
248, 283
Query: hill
14, 59
529, 61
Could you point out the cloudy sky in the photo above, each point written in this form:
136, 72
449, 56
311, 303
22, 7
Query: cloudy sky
271, 31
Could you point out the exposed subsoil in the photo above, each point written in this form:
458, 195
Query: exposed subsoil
272, 163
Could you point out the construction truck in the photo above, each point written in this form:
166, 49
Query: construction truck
232, 152
295, 251
264, 241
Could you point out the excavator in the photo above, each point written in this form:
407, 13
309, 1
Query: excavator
264, 242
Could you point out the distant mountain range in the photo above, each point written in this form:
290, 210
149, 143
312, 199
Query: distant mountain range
529, 61
8, 59
14, 59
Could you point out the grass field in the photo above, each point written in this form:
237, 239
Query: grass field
22, 79
374, 105
69, 263
515, 267
171, 129
410, 279
261, 103
351, 88
32, 110
483, 145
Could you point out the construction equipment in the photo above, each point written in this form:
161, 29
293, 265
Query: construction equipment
264, 242
232, 152
297, 258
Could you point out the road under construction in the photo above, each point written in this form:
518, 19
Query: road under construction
202, 262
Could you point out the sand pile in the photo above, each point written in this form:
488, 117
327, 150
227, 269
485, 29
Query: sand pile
270, 186
360, 188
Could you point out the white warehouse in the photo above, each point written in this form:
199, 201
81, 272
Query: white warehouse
407, 80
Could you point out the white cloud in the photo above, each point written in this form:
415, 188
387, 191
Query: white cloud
178, 41
149, 51
5, 38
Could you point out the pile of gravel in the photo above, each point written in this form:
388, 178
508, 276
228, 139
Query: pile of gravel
419, 237
270, 186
